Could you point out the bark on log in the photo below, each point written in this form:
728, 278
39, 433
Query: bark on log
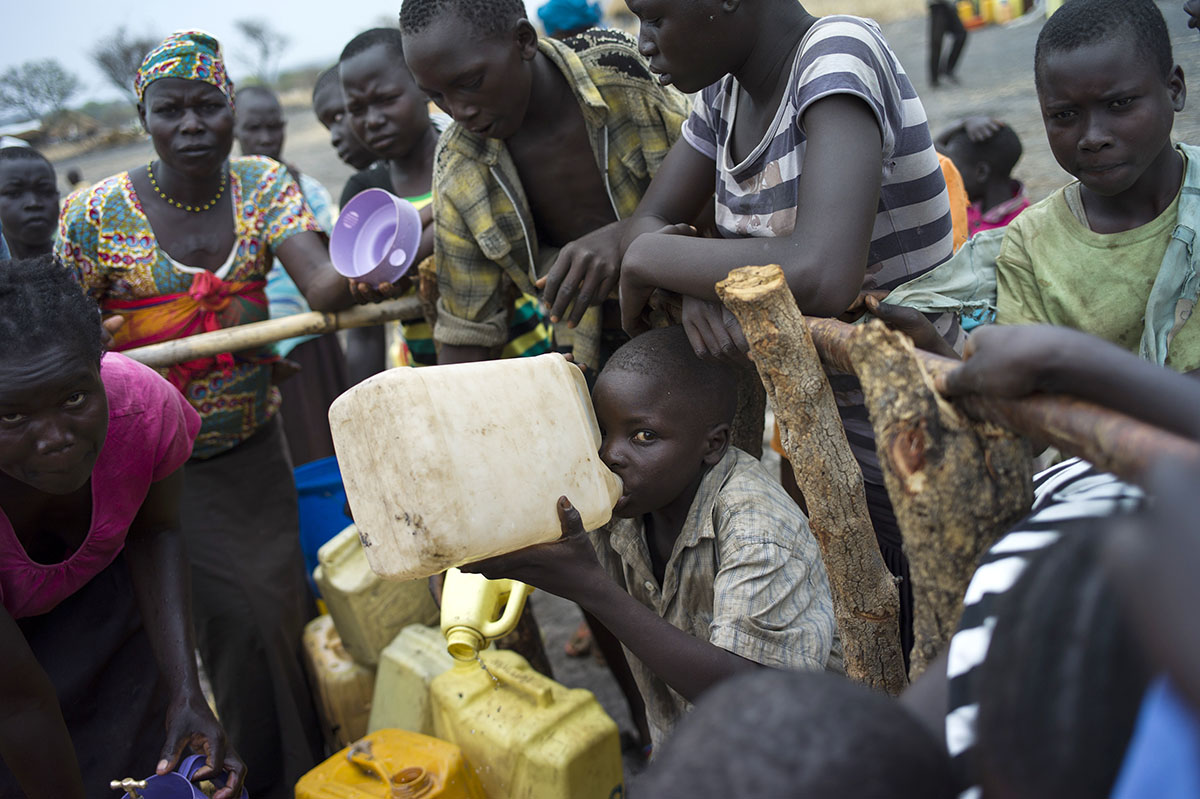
956, 485
866, 601
1110, 440
259, 334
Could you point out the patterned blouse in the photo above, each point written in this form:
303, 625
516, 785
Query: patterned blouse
105, 238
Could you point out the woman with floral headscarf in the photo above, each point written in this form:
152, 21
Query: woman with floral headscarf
180, 246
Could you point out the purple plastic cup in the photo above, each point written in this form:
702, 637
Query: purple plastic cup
375, 238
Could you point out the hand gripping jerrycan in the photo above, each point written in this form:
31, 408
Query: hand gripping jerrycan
176, 784
477, 611
452, 464
393, 764
527, 736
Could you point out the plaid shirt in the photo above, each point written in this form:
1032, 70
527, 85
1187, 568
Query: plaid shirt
746, 575
485, 232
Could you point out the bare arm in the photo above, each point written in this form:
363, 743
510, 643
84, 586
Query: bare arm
824, 263
34, 741
160, 581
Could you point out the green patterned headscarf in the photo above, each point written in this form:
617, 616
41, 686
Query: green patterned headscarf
191, 55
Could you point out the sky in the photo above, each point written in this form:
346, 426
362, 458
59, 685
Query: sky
69, 30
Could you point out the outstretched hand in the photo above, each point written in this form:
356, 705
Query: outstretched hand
558, 567
908, 321
1006, 361
584, 274
636, 286
714, 332
190, 723
365, 293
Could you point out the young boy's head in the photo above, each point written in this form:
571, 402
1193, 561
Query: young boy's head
664, 418
386, 110
984, 163
258, 122
1109, 90
28, 201
474, 60
798, 734
330, 107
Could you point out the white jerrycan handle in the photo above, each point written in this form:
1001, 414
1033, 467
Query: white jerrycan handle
512, 611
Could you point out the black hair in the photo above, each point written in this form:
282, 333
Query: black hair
329, 76
388, 38
1064, 676
1001, 152
666, 355
484, 16
23, 153
1079, 23
42, 306
815, 735
255, 91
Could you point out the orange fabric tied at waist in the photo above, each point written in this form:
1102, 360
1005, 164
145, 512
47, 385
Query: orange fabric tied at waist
210, 303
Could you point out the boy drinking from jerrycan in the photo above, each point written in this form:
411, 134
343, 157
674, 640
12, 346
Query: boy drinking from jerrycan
1109, 254
553, 146
708, 568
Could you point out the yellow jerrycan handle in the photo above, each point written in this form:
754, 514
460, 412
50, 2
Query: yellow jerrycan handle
468, 605
517, 593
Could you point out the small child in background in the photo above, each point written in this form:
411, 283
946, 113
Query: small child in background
985, 151
28, 202
708, 568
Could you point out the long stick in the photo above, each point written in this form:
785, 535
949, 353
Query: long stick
1110, 440
258, 334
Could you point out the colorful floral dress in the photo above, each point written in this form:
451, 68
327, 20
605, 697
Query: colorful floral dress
106, 239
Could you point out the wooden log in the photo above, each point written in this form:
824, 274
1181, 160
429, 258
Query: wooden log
865, 599
956, 485
259, 334
1110, 440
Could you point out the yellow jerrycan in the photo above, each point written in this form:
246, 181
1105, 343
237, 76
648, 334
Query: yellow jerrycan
527, 736
342, 687
393, 764
367, 610
477, 611
407, 666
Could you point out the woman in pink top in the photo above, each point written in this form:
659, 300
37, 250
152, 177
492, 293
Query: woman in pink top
95, 625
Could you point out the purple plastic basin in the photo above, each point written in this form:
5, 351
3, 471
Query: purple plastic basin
375, 238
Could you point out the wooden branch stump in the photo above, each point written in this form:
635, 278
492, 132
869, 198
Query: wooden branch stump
865, 599
956, 485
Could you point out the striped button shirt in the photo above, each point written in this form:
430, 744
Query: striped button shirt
745, 574
1071, 491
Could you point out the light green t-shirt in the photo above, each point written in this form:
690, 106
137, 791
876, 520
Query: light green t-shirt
1053, 269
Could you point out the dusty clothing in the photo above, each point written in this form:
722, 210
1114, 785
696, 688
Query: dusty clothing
1053, 269
745, 575
485, 231
250, 602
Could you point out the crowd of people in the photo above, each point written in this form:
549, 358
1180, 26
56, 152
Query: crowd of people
575, 190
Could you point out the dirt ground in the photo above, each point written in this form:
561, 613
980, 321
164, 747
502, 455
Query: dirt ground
997, 79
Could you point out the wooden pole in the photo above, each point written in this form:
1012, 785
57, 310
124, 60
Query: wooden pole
956, 485
259, 334
865, 599
1110, 440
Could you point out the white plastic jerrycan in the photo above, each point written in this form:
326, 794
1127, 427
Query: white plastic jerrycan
477, 611
447, 465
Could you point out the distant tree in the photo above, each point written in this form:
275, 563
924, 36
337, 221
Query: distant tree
267, 42
38, 88
119, 58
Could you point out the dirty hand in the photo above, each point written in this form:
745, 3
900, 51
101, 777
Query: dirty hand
911, 323
714, 332
636, 285
190, 722
365, 293
559, 567
584, 274
1007, 361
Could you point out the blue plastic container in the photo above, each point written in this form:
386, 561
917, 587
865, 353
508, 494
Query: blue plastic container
322, 508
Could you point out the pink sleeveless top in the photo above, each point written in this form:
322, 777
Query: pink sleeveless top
151, 428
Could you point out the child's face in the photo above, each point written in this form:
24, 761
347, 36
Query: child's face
483, 81
259, 126
680, 38
28, 201
1108, 112
386, 110
330, 108
651, 440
